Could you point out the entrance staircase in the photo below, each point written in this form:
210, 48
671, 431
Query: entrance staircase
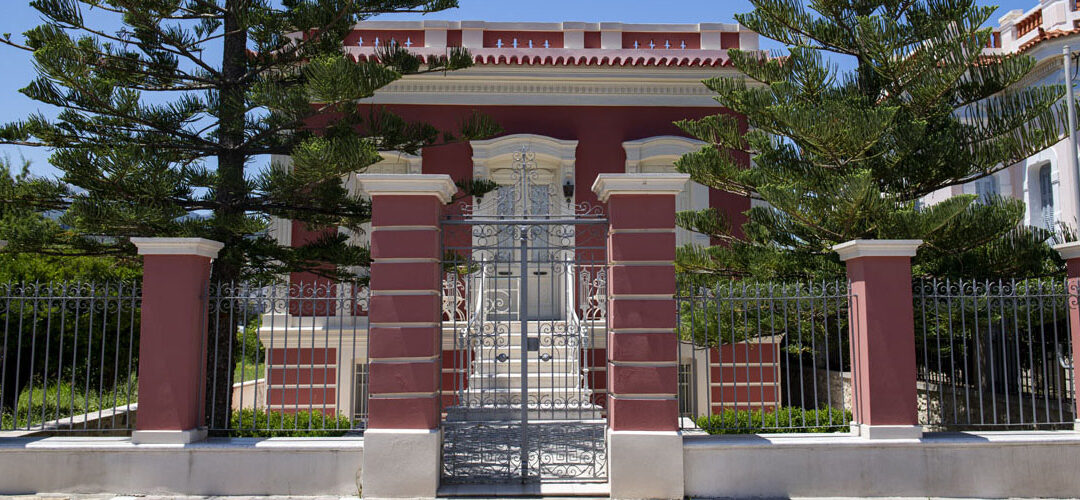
556, 385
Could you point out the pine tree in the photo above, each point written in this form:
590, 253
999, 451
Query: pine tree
165, 125
845, 155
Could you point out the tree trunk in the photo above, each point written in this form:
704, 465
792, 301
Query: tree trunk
231, 196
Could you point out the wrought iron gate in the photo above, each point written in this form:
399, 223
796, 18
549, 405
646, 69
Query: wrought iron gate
523, 294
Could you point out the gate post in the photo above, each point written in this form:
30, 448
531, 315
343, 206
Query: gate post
1071, 253
403, 441
882, 329
645, 452
172, 339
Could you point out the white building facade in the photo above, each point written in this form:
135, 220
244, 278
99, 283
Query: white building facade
1045, 181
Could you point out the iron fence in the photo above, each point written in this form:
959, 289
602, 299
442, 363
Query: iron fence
287, 359
765, 357
994, 354
68, 357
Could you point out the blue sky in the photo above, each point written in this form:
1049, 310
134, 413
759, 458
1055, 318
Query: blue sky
19, 17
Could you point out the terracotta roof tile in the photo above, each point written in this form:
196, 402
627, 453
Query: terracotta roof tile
1046, 35
574, 57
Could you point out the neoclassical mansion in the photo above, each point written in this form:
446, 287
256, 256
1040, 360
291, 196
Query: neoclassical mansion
579, 100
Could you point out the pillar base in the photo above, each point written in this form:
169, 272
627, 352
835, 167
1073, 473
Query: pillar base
401, 463
168, 437
890, 431
645, 464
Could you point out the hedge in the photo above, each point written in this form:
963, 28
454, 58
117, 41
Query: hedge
784, 420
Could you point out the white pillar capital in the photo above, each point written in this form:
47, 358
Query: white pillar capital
200, 247
1068, 251
855, 249
611, 184
440, 185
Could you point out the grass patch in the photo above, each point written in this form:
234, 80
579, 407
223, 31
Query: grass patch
261, 423
248, 370
784, 420
58, 401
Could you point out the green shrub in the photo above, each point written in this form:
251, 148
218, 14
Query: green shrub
784, 420
261, 423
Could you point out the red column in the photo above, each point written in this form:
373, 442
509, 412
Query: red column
402, 444
1071, 253
644, 443
172, 340
882, 329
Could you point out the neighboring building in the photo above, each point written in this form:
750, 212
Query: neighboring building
1046, 182
585, 99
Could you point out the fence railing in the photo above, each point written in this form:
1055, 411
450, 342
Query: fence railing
68, 357
994, 354
765, 357
287, 359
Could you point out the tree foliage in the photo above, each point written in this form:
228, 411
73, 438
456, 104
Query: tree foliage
841, 155
169, 110
166, 125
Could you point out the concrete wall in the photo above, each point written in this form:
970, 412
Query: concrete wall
278, 466
989, 465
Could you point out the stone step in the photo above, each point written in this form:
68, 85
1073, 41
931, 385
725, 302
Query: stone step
513, 380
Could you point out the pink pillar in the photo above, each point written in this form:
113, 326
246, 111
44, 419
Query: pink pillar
402, 446
172, 341
882, 329
645, 447
1071, 253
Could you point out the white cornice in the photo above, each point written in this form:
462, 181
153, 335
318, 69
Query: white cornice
200, 247
1069, 250
855, 249
440, 185
607, 185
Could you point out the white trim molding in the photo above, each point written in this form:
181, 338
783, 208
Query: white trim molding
440, 185
178, 246
1069, 251
855, 249
609, 184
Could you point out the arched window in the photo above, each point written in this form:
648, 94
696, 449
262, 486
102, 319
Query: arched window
986, 188
1046, 197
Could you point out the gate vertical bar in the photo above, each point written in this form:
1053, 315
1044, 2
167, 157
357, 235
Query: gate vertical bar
644, 442
523, 311
405, 335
